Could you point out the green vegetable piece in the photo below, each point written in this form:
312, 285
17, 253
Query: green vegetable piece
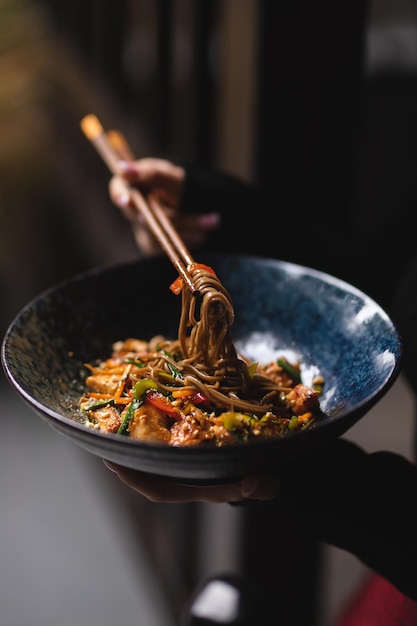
291, 371
174, 370
168, 354
135, 362
252, 369
176, 373
294, 423
142, 386
236, 421
168, 378
124, 426
318, 388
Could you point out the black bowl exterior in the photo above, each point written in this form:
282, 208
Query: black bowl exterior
280, 308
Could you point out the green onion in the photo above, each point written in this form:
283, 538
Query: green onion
124, 426
174, 370
135, 362
291, 371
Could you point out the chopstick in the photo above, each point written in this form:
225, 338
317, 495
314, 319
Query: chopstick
120, 145
113, 147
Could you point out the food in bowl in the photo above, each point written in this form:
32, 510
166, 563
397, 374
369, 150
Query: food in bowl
330, 327
197, 389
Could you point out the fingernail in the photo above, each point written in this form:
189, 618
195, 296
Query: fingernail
209, 219
122, 200
127, 167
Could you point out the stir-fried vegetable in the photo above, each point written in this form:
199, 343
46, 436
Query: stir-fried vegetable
142, 392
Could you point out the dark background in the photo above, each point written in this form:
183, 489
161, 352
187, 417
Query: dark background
314, 100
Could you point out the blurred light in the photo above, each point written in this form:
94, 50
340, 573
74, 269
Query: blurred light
218, 601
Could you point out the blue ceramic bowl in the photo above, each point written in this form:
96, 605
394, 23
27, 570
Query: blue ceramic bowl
280, 308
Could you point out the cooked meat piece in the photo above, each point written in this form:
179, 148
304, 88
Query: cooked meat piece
103, 383
269, 429
107, 418
191, 430
276, 373
303, 399
149, 424
223, 436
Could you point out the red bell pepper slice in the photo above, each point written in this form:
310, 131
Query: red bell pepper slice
201, 266
161, 403
199, 399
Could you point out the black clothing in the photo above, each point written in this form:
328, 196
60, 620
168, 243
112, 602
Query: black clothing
362, 503
359, 502
367, 254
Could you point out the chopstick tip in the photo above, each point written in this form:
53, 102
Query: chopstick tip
90, 126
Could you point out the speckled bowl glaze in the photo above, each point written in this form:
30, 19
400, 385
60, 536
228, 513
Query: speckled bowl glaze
280, 309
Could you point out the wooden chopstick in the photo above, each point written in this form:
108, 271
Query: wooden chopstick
112, 147
120, 145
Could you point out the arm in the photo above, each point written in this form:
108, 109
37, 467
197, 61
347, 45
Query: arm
362, 503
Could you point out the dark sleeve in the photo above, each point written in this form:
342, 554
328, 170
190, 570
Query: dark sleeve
255, 221
243, 210
362, 503
261, 222
216, 191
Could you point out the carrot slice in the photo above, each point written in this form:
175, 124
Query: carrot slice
178, 284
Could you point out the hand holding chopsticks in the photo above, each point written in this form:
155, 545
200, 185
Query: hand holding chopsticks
112, 147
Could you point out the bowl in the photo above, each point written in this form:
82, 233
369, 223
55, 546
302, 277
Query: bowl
281, 309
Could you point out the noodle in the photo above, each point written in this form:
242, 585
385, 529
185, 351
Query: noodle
197, 387
218, 371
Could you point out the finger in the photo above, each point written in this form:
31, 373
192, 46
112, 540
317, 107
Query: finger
162, 177
158, 489
121, 198
260, 487
117, 191
154, 172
